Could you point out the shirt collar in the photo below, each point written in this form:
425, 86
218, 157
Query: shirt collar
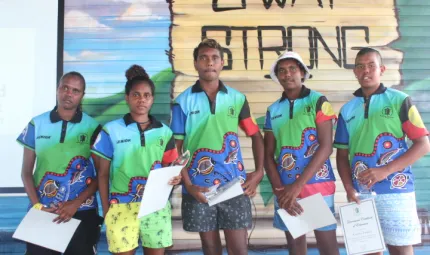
198, 88
55, 117
304, 92
381, 89
154, 122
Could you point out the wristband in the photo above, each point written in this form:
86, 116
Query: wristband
38, 206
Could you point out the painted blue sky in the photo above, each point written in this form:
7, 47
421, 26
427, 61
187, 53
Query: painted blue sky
102, 38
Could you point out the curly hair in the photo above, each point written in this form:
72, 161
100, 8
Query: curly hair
136, 74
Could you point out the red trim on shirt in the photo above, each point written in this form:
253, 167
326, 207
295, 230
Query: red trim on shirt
325, 188
321, 117
170, 156
249, 126
412, 131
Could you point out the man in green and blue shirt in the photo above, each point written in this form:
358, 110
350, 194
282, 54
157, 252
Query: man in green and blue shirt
373, 154
298, 143
205, 121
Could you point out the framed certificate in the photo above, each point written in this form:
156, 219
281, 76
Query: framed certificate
361, 228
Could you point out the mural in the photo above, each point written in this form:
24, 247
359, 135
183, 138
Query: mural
102, 38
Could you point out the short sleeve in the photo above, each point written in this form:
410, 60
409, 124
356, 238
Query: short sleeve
412, 123
268, 122
103, 146
95, 134
27, 136
324, 110
246, 122
341, 138
170, 153
178, 121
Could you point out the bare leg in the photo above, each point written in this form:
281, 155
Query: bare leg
236, 241
151, 251
327, 242
401, 250
296, 246
126, 252
211, 243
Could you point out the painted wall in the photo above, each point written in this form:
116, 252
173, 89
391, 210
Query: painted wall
102, 38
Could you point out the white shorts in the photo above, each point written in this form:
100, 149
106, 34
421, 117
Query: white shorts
399, 218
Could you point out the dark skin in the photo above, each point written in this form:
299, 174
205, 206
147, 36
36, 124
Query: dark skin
209, 64
368, 71
139, 100
290, 76
69, 95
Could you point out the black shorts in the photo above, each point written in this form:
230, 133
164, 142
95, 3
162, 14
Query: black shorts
231, 214
84, 240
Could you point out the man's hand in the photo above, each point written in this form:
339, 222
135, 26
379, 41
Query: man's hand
295, 209
287, 199
372, 176
251, 183
197, 192
66, 211
351, 195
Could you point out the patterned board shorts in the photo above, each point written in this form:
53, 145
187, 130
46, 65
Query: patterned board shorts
279, 224
234, 213
399, 218
123, 229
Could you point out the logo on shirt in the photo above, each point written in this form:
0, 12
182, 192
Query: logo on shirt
160, 141
349, 120
277, 116
387, 112
44, 137
82, 138
307, 110
231, 111
194, 112
123, 141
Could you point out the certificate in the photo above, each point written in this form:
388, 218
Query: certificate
37, 228
361, 228
157, 190
316, 214
228, 191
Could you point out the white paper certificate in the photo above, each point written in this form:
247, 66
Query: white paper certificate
361, 228
157, 190
316, 214
37, 228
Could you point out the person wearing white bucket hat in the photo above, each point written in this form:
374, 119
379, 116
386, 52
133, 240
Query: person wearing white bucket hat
298, 143
289, 55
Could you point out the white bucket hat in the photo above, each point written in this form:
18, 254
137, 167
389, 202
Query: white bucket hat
288, 55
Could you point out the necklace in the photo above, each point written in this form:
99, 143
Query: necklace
143, 123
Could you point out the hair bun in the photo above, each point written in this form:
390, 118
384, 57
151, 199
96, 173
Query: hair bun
134, 71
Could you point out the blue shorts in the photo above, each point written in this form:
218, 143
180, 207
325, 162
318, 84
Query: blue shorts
279, 224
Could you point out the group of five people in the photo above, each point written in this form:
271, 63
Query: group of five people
75, 156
